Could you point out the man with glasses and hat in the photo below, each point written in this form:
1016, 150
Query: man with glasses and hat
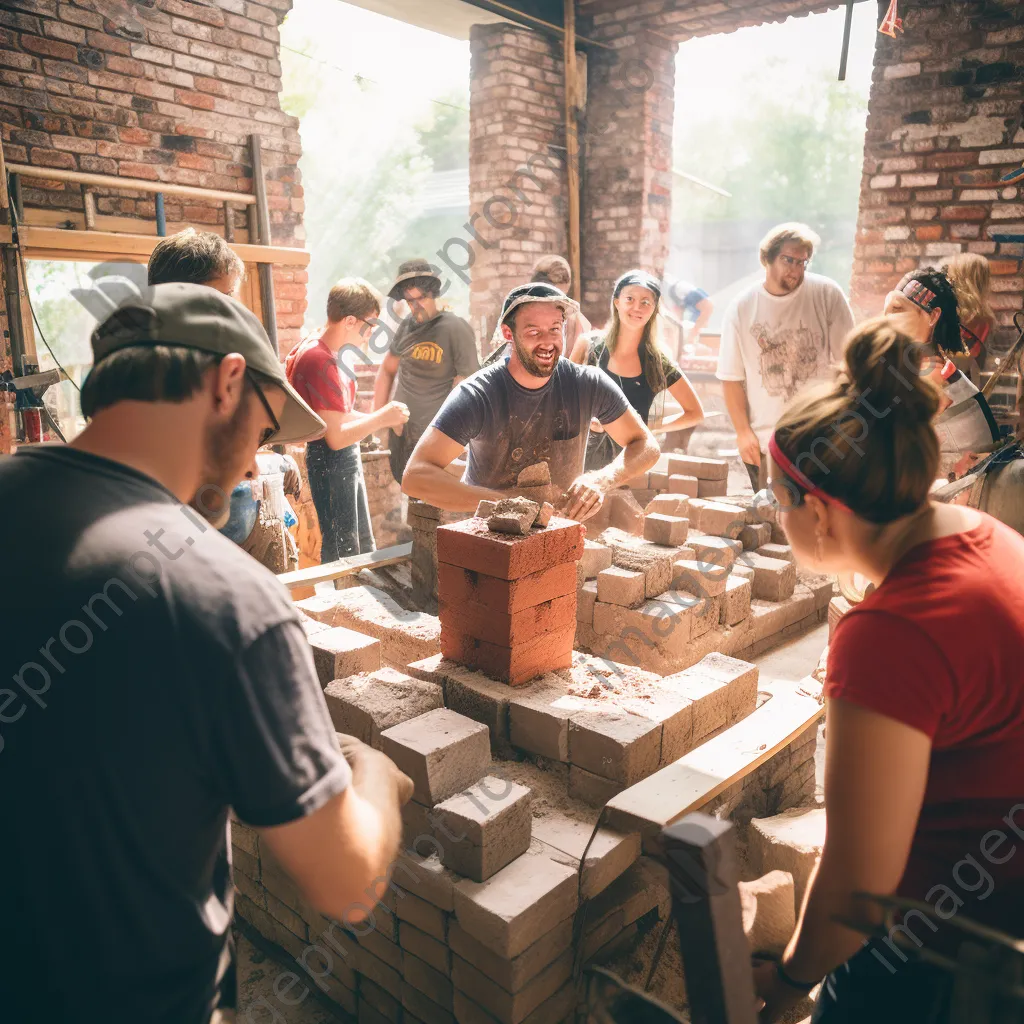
778, 336
431, 352
156, 678
532, 407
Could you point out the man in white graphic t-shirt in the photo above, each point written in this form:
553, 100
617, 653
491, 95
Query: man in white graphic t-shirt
777, 337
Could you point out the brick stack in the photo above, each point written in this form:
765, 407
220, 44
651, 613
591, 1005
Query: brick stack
423, 521
507, 604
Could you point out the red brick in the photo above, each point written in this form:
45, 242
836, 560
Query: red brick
943, 161
49, 47
472, 545
455, 584
200, 100
512, 665
964, 213
508, 629
1003, 267
52, 158
931, 233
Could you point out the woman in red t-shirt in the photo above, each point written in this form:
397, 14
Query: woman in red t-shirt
924, 766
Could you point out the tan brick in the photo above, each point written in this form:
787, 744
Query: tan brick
512, 974
755, 535
698, 578
341, 652
774, 578
609, 853
615, 745
426, 947
508, 1007
623, 587
365, 706
432, 983
735, 601
585, 602
595, 558
687, 486
423, 915
702, 469
669, 504
665, 529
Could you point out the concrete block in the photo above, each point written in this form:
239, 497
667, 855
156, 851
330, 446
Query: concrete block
698, 578
508, 1007
774, 578
684, 485
417, 1006
665, 529
755, 535
508, 911
339, 652
715, 551
512, 664
404, 636
653, 560
624, 587
719, 519
723, 690
471, 545
381, 946
456, 585
712, 488
702, 469
669, 504
744, 572
790, 841
781, 551
664, 622
504, 628
442, 752
432, 983
595, 558
559, 1009
491, 825
419, 871
364, 706
735, 601
538, 717
372, 967
423, 915
615, 745
383, 1003
585, 599
593, 790
610, 853
512, 974
426, 947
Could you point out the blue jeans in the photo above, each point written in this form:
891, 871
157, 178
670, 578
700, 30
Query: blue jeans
339, 497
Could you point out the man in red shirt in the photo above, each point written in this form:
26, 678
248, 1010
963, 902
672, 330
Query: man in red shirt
332, 462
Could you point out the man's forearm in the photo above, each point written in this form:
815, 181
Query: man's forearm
439, 488
382, 389
736, 405
636, 458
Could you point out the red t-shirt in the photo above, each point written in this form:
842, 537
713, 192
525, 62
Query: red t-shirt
938, 647
312, 369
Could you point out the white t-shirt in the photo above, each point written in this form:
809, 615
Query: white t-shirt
777, 344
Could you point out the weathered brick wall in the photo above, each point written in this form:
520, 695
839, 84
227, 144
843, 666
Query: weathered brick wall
627, 198
944, 124
517, 177
165, 90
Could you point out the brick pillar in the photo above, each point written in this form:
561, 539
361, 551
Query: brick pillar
943, 127
627, 174
517, 178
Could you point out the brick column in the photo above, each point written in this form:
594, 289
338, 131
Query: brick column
627, 174
517, 176
943, 127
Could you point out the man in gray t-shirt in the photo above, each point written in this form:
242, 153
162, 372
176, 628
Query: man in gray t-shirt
432, 351
533, 407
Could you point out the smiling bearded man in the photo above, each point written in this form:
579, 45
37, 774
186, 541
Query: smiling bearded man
531, 407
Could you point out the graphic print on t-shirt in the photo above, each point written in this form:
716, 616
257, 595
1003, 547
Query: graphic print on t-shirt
427, 352
790, 357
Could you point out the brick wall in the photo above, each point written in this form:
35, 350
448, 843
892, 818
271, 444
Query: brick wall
517, 102
944, 124
165, 90
627, 194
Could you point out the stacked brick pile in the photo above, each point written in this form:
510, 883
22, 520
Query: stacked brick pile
507, 603
423, 520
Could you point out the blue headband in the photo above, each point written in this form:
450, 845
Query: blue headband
638, 277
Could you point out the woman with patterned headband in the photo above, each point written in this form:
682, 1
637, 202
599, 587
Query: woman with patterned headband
924, 306
924, 748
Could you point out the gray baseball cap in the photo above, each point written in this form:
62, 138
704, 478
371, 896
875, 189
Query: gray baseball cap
199, 317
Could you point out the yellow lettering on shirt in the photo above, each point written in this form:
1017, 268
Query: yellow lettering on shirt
427, 352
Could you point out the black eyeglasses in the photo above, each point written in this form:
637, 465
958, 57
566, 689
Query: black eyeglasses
268, 432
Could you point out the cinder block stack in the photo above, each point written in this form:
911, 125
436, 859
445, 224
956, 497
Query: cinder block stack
507, 603
424, 520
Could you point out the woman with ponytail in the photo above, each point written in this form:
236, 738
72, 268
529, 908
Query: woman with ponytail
924, 761
628, 351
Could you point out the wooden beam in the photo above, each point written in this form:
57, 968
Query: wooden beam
265, 270
43, 243
118, 184
89, 199
346, 567
703, 869
572, 145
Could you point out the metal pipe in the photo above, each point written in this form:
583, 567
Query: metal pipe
16, 200
161, 215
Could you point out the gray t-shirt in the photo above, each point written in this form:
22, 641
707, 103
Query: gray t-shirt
431, 356
152, 676
507, 427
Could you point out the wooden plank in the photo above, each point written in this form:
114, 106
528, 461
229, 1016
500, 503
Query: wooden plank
345, 567
119, 184
45, 243
37, 217
703, 871
263, 269
572, 154
699, 776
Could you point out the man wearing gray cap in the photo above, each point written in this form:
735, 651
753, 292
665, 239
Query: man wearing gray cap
431, 352
529, 408
157, 676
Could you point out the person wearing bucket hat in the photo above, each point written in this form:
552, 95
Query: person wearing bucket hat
629, 352
178, 684
532, 407
431, 352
